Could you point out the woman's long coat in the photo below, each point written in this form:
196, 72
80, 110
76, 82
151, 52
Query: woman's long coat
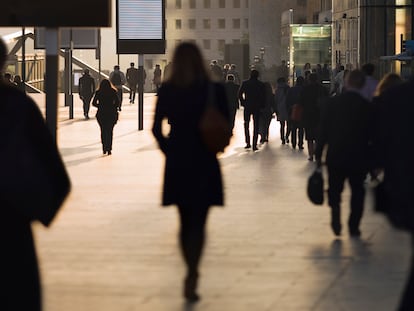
192, 174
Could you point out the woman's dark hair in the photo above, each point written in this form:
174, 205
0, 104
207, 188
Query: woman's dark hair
106, 86
187, 66
300, 80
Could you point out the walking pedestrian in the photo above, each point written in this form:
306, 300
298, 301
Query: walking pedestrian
31, 163
117, 78
192, 177
86, 91
252, 96
293, 102
394, 156
107, 101
282, 113
370, 82
312, 99
157, 77
346, 132
132, 81
266, 114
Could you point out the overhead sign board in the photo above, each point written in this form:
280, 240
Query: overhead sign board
82, 38
53, 13
140, 26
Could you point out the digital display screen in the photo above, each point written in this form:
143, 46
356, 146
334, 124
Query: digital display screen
140, 19
140, 26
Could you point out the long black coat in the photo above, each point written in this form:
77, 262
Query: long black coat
252, 95
346, 128
192, 174
25, 142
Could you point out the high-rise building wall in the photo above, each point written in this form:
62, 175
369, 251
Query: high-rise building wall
265, 26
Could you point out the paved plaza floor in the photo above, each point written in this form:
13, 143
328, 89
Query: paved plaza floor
113, 248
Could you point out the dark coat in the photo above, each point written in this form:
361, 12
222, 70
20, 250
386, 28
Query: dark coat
23, 132
346, 129
293, 97
252, 95
192, 174
311, 98
86, 86
281, 109
107, 104
394, 152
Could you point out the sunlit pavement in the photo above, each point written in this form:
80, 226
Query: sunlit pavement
113, 248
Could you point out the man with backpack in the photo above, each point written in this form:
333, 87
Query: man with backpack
117, 78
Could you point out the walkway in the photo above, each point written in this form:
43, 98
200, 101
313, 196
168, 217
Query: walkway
112, 248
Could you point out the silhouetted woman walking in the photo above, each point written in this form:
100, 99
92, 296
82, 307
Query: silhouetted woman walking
192, 177
107, 102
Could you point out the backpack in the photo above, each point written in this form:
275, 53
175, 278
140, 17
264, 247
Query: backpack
116, 79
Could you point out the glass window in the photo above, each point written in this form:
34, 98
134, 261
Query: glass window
207, 4
192, 4
236, 23
220, 45
178, 24
236, 4
222, 4
206, 24
221, 23
246, 23
178, 4
236, 41
207, 44
192, 23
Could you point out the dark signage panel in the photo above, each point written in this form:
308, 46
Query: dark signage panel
140, 26
82, 38
55, 13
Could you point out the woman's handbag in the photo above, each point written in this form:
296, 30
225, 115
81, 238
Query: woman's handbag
297, 113
315, 187
214, 127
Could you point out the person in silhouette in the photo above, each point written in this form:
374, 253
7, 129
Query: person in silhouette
252, 96
132, 81
86, 91
17, 81
348, 149
107, 101
157, 77
394, 157
192, 177
117, 78
28, 154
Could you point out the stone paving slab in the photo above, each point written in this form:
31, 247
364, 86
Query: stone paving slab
113, 248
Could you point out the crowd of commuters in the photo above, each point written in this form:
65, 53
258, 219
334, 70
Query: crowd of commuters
342, 125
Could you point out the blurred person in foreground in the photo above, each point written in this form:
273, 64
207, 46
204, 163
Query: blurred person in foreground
192, 177
107, 101
31, 164
346, 131
394, 155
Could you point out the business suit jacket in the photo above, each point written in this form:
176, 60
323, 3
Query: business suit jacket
346, 130
252, 95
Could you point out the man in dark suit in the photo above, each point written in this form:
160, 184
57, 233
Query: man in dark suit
346, 131
132, 81
252, 97
86, 91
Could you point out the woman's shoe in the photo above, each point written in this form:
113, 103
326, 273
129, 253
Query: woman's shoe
190, 285
109, 152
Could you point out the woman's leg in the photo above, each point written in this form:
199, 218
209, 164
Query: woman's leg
192, 237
